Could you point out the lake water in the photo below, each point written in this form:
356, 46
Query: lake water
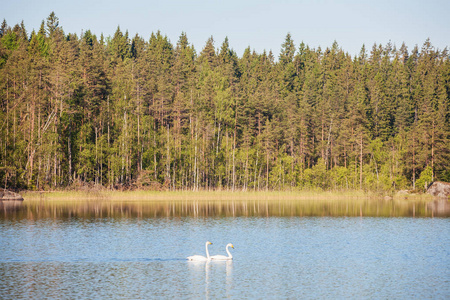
104, 250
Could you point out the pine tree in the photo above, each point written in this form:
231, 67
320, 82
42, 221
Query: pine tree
52, 24
124, 112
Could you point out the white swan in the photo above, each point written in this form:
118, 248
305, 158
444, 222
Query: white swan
200, 257
223, 257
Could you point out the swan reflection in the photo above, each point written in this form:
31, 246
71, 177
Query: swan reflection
212, 274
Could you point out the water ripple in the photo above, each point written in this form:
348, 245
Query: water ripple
274, 258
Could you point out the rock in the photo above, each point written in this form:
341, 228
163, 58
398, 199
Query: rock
403, 192
6, 195
439, 189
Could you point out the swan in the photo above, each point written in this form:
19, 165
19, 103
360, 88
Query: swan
200, 257
223, 257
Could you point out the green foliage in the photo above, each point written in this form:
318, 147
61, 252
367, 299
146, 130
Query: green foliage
316, 177
38, 45
340, 178
124, 112
425, 179
9, 41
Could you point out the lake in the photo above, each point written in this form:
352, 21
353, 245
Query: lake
283, 249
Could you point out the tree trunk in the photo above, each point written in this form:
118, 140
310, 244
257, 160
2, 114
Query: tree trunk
360, 161
414, 160
432, 149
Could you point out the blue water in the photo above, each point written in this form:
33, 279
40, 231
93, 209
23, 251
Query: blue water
274, 257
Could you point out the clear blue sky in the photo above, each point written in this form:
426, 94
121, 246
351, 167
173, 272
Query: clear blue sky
260, 24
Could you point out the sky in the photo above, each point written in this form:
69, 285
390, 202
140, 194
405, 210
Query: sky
258, 24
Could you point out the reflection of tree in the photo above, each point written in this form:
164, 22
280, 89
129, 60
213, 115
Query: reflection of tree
202, 209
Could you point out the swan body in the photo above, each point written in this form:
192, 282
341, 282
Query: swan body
201, 257
223, 257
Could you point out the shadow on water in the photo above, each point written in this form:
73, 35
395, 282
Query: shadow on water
36, 209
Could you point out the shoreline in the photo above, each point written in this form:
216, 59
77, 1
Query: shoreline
222, 195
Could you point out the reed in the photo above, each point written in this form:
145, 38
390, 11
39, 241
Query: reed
214, 196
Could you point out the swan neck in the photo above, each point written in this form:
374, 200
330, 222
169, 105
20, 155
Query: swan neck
207, 252
228, 251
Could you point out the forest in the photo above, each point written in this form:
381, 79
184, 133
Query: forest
127, 112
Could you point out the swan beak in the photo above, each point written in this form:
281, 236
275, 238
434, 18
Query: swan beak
232, 246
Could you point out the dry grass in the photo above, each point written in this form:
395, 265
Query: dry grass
213, 196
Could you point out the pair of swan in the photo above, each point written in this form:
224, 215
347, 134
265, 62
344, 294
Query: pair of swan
214, 257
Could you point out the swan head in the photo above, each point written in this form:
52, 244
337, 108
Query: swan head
230, 245
208, 243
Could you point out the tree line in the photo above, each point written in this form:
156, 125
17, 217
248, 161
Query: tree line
125, 112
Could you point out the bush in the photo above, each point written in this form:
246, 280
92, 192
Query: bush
426, 177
